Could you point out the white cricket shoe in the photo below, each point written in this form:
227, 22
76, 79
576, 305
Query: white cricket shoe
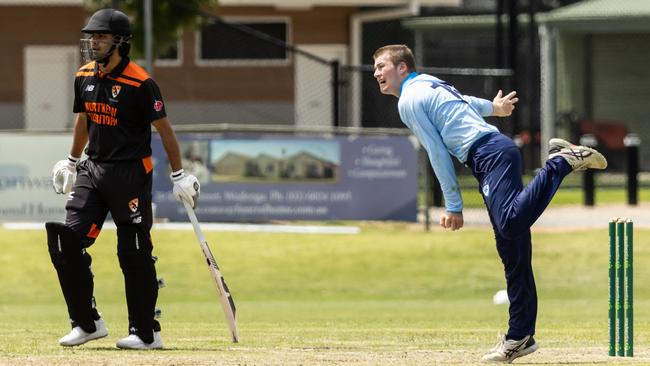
134, 342
79, 336
579, 157
507, 350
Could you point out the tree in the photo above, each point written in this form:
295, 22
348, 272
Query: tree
168, 17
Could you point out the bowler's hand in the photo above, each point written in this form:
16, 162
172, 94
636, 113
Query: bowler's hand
453, 221
503, 106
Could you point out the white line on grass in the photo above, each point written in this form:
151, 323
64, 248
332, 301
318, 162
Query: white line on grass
264, 228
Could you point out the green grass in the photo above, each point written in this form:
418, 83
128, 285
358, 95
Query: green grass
568, 196
390, 295
610, 189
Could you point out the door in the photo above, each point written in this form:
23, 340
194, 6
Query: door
313, 84
49, 78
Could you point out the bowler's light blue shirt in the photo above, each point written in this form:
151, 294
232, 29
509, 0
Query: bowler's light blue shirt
445, 122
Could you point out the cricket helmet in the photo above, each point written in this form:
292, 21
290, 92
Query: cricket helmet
109, 21
106, 21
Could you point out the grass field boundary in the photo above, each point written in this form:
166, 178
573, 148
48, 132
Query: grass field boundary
258, 228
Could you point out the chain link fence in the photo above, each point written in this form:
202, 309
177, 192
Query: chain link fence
247, 71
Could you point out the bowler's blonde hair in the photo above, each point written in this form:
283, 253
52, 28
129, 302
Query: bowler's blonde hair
398, 53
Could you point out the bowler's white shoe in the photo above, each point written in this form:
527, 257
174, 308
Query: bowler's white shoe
508, 349
79, 336
134, 342
579, 157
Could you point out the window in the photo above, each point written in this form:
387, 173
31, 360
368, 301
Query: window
173, 56
223, 44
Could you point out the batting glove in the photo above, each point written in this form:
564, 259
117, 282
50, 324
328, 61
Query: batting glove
186, 187
64, 174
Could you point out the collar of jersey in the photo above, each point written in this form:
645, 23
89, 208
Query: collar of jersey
117, 70
409, 77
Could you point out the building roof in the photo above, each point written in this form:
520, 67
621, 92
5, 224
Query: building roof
592, 16
600, 16
454, 22
40, 2
310, 3
596, 9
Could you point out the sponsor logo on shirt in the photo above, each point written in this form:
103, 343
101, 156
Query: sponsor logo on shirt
90, 88
101, 113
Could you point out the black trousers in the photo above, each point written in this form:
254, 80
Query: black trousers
122, 188
513, 208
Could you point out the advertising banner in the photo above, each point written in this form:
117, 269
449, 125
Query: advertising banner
255, 178
26, 162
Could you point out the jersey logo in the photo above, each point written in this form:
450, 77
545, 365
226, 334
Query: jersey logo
90, 88
133, 205
486, 190
115, 90
158, 105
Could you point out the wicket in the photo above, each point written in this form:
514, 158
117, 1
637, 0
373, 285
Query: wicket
621, 287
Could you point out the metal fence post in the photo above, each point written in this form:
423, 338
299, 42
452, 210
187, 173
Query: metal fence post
432, 190
588, 175
632, 142
437, 191
336, 66
424, 161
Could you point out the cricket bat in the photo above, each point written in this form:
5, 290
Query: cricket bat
227, 303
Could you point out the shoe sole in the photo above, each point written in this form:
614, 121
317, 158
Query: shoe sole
525, 352
602, 162
600, 159
141, 345
85, 341
139, 348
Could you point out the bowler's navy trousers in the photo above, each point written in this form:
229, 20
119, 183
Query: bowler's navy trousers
496, 163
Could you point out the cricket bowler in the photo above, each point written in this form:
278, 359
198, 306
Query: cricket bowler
447, 122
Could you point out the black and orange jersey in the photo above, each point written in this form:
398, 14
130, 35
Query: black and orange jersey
120, 107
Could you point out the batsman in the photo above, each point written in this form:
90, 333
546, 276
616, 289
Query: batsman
115, 104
